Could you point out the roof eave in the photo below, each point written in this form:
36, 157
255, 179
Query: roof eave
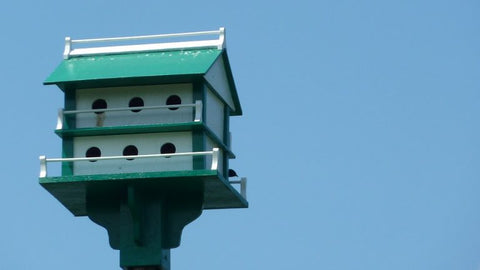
124, 81
238, 108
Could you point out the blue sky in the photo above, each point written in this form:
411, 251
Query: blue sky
359, 135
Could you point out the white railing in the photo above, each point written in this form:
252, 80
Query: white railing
243, 186
198, 105
44, 160
215, 43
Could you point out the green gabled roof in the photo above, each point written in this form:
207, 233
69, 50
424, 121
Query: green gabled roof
157, 67
132, 65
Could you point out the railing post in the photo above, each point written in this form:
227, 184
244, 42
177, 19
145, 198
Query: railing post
198, 111
60, 119
243, 187
43, 166
68, 47
221, 39
215, 157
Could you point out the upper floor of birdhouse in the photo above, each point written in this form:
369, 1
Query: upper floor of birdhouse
161, 84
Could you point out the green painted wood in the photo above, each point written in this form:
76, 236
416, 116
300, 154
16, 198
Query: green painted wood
67, 152
69, 104
226, 138
143, 221
140, 69
168, 175
67, 134
198, 136
236, 100
146, 64
133, 129
69, 122
71, 190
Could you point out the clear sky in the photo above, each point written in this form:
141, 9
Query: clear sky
360, 134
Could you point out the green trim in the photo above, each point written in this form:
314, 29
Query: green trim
67, 152
198, 136
198, 144
226, 127
238, 110
136, 81
133, 65
69, 122
167, 175
72, 191
226, 137
70, 104
199, 131
117, 130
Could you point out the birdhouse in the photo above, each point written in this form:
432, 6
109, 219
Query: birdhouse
145, 136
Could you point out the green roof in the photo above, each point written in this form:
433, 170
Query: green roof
133, 65
141, 68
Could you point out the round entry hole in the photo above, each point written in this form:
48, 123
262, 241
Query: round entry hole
168, 148
136, 102
93, 152
173, 100
99, 104
130, 150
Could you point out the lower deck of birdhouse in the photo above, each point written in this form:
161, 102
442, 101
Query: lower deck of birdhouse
72, 191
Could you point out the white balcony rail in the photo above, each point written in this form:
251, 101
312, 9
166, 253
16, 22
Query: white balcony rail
243, 186
44, 160
193, 44
198, 105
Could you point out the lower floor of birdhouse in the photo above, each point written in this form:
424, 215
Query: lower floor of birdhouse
72, 191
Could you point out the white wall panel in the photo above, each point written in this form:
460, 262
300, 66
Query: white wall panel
119, 97
215, 114
146, 144
217, 77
